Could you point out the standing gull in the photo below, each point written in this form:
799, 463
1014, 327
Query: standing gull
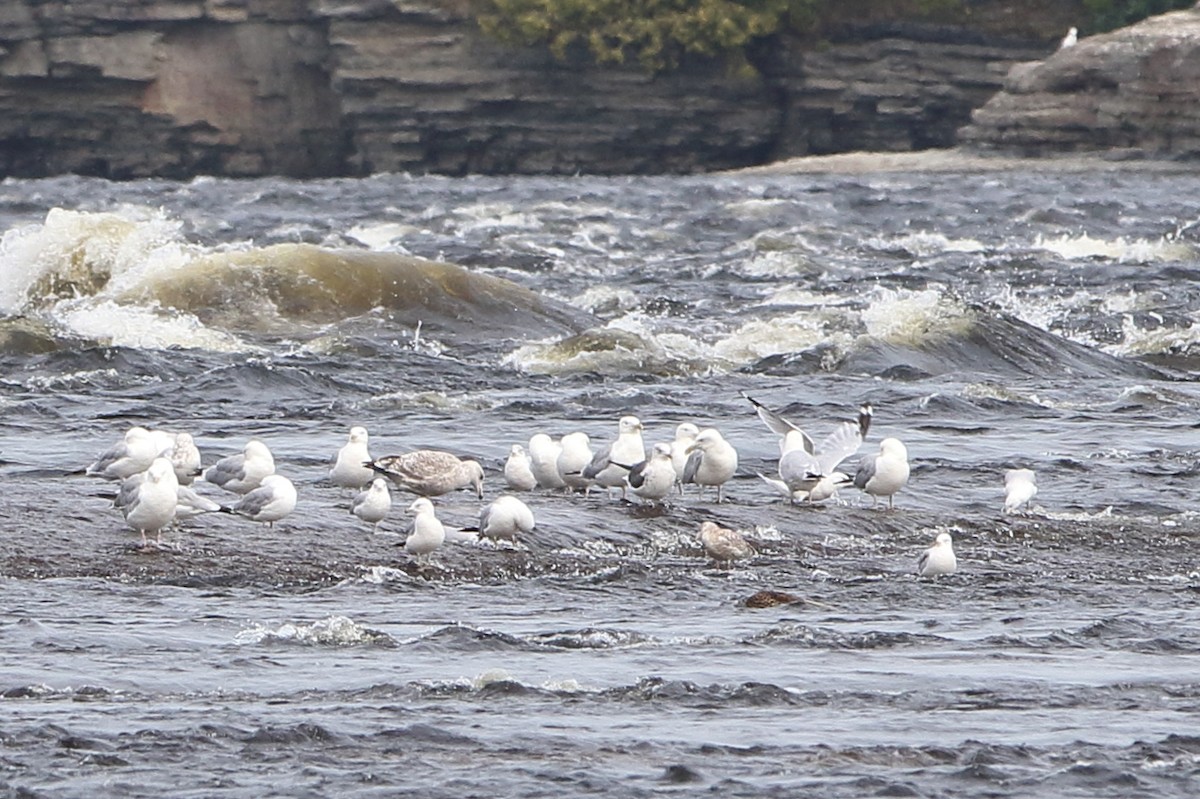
543, 461
185, 458
430, 473
610, 465
348, 470
149, 504
711, 461
518, 470
372, 504
938, 559
1020, 486
884, 474
685, 435
504, 517
274, 499
654, 478
724, 545
575, 456
242, 473
1070, 39
132, 454
427, 532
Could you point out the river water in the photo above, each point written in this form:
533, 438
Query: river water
1033, 317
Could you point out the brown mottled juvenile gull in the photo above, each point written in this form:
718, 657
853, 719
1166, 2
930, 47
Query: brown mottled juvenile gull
724, 545
430, 472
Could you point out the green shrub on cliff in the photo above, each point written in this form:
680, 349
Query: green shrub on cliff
659, 33
655, 32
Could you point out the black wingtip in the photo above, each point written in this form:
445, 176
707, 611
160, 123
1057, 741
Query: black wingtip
864, 418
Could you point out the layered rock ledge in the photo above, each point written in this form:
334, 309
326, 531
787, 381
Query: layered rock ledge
176, 88
1133, 92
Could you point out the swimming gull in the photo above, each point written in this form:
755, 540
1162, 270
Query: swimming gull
938, 559
427, 532
518, 470
132, 454
712, 461
543, 461
575, 456
348, 470
185, 458
812, 474
610, 466
724, 545
273, 500
150, 503
654, 478
1020, 486
504, 517
244, 472
430, 472
372, 504
685, 435
884, 474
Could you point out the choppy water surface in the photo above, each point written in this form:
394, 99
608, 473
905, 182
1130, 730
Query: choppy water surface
1019, 319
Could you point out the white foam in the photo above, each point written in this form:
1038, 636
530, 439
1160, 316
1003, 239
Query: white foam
330, 631
905, 317
1137, 251
144, 327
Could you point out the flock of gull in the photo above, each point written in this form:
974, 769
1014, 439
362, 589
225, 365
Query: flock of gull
157, 471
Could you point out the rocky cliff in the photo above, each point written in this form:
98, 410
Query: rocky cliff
345, 87
1135, 91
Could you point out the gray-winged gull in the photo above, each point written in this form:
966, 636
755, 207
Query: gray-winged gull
518, 470
149, 504
273, 500
244, 472
427, 533
884, 474
348, 470
373, 503
1020, 486
939, 558
610, 465
712, 461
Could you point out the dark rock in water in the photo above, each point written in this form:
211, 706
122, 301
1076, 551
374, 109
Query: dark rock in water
1133, 92
680, 775
770, 599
